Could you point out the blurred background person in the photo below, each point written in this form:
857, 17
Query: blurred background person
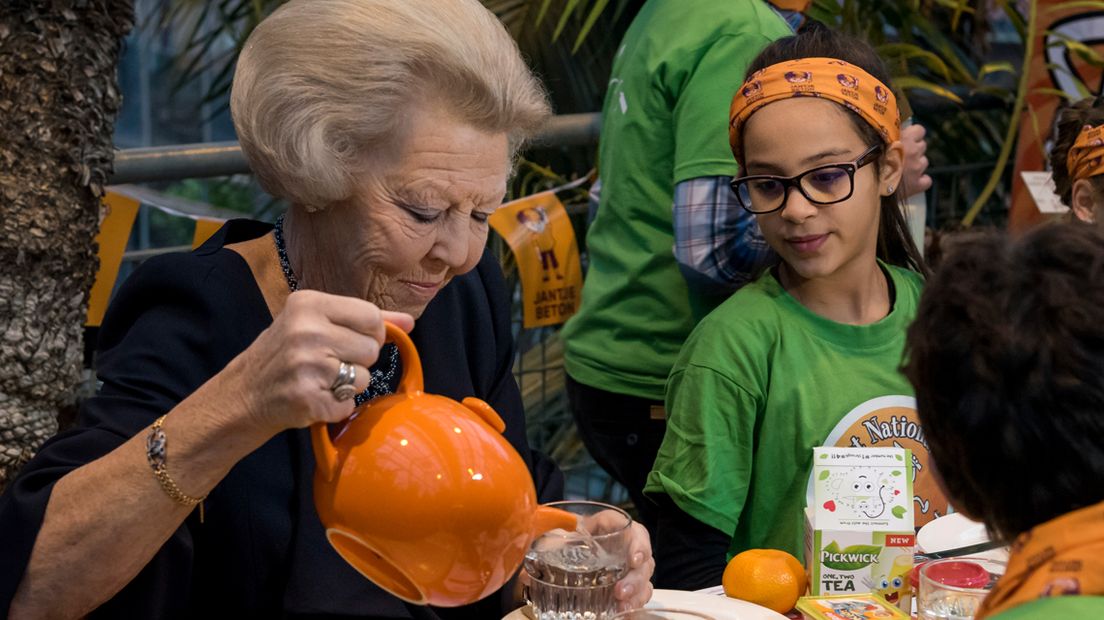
667, 239
1077, 159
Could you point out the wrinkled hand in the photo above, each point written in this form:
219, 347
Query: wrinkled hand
286, 374
635, 588
915, 178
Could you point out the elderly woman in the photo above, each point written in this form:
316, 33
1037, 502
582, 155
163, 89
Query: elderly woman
389, 127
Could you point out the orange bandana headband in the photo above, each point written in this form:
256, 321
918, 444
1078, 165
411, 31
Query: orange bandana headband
828, 78
1086, 156
792, 5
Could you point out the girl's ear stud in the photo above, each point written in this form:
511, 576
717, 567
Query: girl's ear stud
889, 189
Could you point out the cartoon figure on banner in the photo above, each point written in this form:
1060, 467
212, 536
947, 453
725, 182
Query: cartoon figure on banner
535, 220
539, 233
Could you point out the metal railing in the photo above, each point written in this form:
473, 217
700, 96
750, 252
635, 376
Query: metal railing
218, 159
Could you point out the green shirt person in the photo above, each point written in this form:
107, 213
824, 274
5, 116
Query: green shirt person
664, 159
766, 376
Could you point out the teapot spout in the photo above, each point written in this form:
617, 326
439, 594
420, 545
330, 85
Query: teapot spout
547, 518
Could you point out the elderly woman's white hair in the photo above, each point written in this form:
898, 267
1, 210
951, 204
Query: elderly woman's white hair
321, 85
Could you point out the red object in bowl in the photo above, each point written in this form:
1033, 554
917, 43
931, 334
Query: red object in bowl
961, 574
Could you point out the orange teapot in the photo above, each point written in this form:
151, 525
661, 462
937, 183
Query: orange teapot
424, 496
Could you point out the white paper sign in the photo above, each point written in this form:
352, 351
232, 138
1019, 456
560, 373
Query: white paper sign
1041, 187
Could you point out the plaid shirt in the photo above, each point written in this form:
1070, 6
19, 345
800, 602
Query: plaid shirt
718, 245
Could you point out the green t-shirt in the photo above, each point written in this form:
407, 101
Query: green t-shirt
1064, 607
665, 120
760, 383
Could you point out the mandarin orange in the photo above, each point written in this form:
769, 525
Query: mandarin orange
767, 577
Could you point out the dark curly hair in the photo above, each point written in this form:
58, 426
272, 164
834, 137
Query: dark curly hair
895, 245
1007, 359
1068, 124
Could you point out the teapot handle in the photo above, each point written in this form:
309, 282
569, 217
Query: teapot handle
325, 454
411, 380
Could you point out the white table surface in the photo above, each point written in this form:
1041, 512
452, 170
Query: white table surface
719, 606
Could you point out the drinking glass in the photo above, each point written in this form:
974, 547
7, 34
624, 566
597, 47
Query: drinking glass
572, 574
662, 614
953, 589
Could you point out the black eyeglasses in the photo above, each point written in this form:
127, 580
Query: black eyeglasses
823, 185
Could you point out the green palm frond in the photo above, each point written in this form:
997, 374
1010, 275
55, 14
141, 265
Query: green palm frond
936, 50
555, 38
908, 82
214, 32
905, 52
592, 18
1013, 123
1096, 5
995, 67
1076, 47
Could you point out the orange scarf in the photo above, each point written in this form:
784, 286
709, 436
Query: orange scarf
828, 78
1062, 557
1086, 156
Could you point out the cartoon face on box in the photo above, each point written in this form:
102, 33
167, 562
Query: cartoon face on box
862, 489
861, 492
894, 585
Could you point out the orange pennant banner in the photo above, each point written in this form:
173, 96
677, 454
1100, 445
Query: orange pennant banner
204, 228
539, 232
118, 213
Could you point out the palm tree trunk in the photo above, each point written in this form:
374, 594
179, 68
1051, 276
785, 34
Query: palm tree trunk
58, 101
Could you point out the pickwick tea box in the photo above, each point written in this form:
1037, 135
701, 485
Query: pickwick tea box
859, 534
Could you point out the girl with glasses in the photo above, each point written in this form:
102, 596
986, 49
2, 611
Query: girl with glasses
772, 372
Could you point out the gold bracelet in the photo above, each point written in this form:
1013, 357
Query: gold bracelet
156, 451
